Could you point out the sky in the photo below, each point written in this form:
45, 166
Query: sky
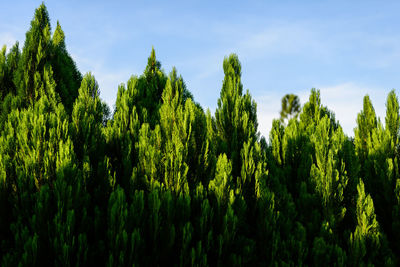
346, 49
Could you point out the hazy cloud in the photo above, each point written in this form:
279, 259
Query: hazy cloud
345, 100
7, 39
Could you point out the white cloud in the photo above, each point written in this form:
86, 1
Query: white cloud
345, 100
7, 39
108, 79
268, 108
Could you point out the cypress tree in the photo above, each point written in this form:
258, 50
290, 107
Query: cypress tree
35, 56
89, 145
236, 118
8, 67
150, 88
66, 75
366, 123
176, 131
41, 52
121, 135
392, 118
366, 243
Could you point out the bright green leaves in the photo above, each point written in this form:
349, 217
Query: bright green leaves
89, 141
8, 67
176, 130
366, 240
366, 123
87, 119
236, 125
41, 56
221, 184
276, 135
38, 155
38, 133
236, 113
392, 118
35, 55
117, 232
312, 109
58, 37
328, 172
121, 134
149, 152
150, 88
162, 177
367, 225
376, 147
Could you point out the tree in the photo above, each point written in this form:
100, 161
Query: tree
42, 52
66, 75
162, 177
290, 107
150, 88
236, 119
366, 123
367, 241
35, 56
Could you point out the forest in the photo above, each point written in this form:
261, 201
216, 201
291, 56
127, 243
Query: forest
159, 181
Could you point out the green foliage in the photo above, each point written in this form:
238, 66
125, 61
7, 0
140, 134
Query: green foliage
149, 91
162, 182
42, 54
236, 118
66, 75
290, 107
366, 241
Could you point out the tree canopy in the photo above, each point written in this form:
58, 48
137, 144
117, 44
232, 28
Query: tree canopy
161, 181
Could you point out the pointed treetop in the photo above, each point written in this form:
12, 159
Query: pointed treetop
89, 86
42, 18
152, 64
40, 29
369, 113
312, 109
58, 36
392, 115
232, 65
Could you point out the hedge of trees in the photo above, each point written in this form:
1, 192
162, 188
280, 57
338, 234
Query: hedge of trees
163, 182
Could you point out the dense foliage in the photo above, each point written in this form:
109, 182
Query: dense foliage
163, 182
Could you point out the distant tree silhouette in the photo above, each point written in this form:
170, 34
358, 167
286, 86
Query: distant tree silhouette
290, 107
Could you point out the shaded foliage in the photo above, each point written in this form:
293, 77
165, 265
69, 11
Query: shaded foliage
163, 182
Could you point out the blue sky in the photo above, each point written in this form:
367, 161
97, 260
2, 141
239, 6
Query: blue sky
344, 49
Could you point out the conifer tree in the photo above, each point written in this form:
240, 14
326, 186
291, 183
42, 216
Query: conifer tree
8, 66
89, 145
176, 129
236, 125
66, 74
328, 172
162, 177
366, 123
367, 241
392, 118
41, 146
150, 87
41, 52
35, 56
222, 183
121, 134
376, 148
290, 107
